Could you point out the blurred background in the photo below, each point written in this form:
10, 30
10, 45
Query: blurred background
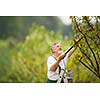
25, 46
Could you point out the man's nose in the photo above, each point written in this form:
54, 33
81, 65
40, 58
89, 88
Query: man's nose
60, 48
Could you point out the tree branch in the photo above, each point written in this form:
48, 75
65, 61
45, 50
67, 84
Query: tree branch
88, 58
85, 17
87, 44
98, 75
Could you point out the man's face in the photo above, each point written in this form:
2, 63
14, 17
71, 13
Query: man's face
57, 48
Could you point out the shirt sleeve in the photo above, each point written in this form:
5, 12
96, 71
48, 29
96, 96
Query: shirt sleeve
50, 62
66, 59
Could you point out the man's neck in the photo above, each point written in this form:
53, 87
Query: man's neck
56, 55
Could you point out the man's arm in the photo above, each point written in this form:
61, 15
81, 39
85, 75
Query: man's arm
55, 65
71, 51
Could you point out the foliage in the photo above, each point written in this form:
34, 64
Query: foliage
5, 58
89, 47
18, 26
28, 59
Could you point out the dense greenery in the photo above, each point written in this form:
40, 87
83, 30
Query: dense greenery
18, 26
26, 61
88, 28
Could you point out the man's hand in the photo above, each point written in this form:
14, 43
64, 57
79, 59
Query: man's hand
61, 56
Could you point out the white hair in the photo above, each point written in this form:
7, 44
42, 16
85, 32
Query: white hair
52, 46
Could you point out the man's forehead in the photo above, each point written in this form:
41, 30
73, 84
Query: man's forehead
55, 45
58, 43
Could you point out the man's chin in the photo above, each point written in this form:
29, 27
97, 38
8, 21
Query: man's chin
60, 52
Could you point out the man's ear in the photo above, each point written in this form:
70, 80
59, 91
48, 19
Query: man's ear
52, 51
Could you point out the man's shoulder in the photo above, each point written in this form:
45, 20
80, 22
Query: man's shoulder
51, 58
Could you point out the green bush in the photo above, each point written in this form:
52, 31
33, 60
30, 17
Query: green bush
29, 62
